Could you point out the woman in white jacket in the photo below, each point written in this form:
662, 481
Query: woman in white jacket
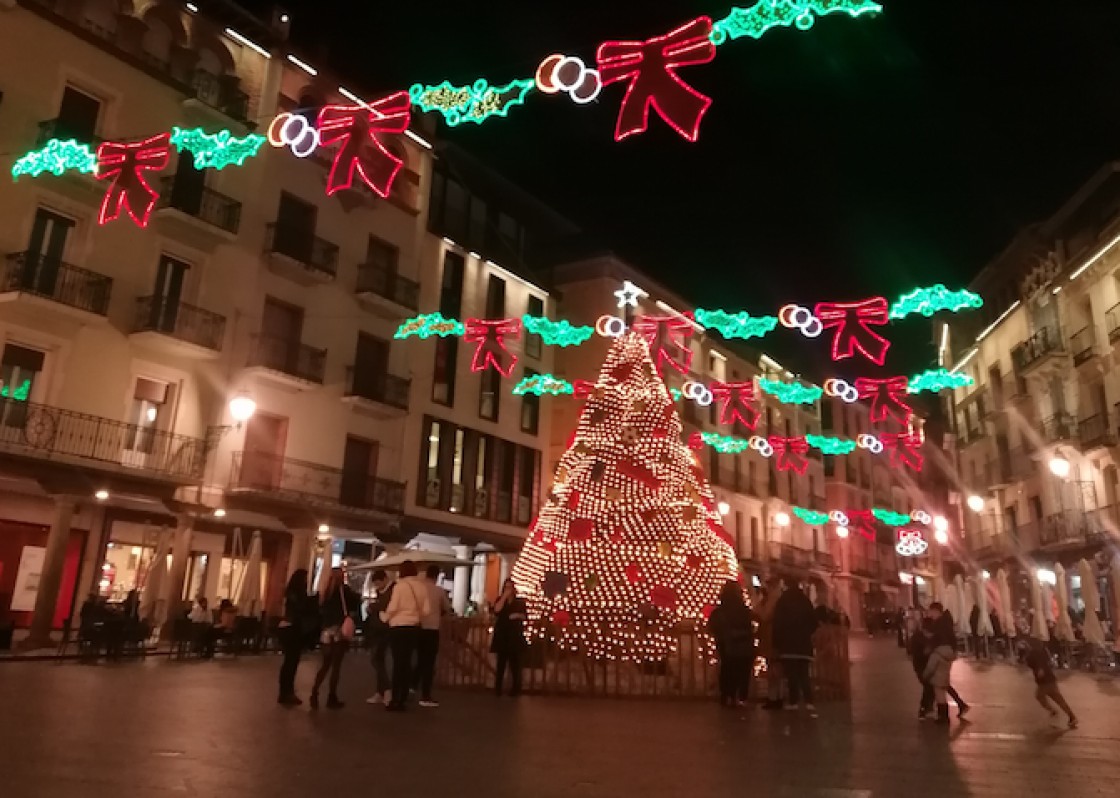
409, 604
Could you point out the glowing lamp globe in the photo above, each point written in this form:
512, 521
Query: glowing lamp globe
1059, 467
242, 408
941, 523
724, 508
841, 532
941, 536
976, 503
781, 518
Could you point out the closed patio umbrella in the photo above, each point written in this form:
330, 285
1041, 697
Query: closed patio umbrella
1116, 603
1092, 629
152, 604
249, 591
1063, 629
984, 628
1038, 622
964, 606
1006, 611
952, 601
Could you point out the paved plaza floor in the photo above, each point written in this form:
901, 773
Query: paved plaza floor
212, 729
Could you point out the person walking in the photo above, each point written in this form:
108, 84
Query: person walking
508, 641
407, 606
774, 678
378, 633
290, 633
794, 624
1038, 660
944, 635
919, 649
337, 606
732, 625
427, 644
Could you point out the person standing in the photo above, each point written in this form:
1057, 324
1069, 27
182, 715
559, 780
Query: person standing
919, 648
290, 633
1038, 660
407, 606
794, 624
337, 606
508, 642
427, 644
944, 636
766, 644
732, 625
378, 633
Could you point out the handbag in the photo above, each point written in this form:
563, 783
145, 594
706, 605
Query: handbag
346, 629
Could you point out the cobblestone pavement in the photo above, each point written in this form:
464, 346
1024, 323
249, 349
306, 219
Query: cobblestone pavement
212, 729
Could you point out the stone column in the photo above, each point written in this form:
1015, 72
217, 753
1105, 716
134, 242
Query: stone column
93, 557
180, 554
300, 552
461, 590
50, 577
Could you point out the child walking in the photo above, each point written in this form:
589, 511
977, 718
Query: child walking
1038, 660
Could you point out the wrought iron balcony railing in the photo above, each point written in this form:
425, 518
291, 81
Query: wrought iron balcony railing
221, 92
180, 320
376, 279
1045, 342
388, 389
210, 206
262, 472
58, 281
314, 253
288, 357
1082, 344
1096, 430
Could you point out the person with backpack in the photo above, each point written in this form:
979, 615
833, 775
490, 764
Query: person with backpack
732, 625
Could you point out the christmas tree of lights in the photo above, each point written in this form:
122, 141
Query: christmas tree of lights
629, 542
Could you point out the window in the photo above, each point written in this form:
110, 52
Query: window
509, 231
458, 492
44, 271
495, 297
481, 497
381, 255
359, 472
713, 477
430, 489
19, 367
447, 349
526, 483
455, 208
167, 294
451, 286
489, 398
507, 454
476, 236
533, 343
149, 413
294, 232
77, 116
530, 409
826, 417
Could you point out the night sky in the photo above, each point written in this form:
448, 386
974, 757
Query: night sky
863, 157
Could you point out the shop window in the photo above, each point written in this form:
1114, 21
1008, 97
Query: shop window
194, 585
495, 297
507, 463
382, 256
430, 484
458, 491
232, 576
125, 569
480, 497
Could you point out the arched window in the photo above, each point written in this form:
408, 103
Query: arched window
100, 16
157, 41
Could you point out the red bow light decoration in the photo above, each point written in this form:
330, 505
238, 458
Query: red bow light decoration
790, 453
737, 400
904, 450
490, 336
853, 321
886, 397
666, 338
862, 521
651, 68
124, 165
357, 127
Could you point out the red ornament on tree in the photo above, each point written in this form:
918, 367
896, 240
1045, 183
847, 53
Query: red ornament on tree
886, 397
666, 336
633, 572
853, 322
357, 128
490, 336
790, 453
664, 597
904, 450
582, 389
651, 69
124, 165
736, 403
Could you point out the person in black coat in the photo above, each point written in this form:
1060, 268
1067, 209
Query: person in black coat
377, 632
732, 625
290, 633
508, 642
794, 624
919, 649
338, 606
945, 634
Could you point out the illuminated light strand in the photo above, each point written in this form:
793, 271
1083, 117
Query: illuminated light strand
887, 517
811, 517
766, 15
294, 132
842, 390
929, 301
358, 132
791, 393
796, 317
911, 543
57, 156
428, 324
541, 384
557, 333
870, 443
124, 167
216, 150
725, 444
489, 336
566, 73
830, 445
20, 394
890, 517
936, 380
475, 103
738, 325
853, 322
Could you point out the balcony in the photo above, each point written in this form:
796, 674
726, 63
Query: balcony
386, 290
217, 93
824, 560
286, 479
1083, 345
300, 256
1072, 527
1010, 467
1096, 432
1043, 351
178, 328
381, 395
289, 363
42, 432
1059, 428
791, 556
199, 213
52, 286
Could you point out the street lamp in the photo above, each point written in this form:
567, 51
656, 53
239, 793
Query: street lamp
781, 518
241, 408
324, 529
1046, 577
976, 503
841, 531
101, 495
941, 523
942, 537
1059, 467
724, 508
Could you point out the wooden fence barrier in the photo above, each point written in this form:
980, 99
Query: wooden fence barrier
465, 662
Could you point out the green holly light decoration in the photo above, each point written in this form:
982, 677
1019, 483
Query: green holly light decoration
929, 301
767, 14
20, 394
216, 150
541, 384
829, 445
428, 324
475, 103
936, 380
557, 333
791, 393
725, 444
736, 325
56, 157
890, 517
811, 517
